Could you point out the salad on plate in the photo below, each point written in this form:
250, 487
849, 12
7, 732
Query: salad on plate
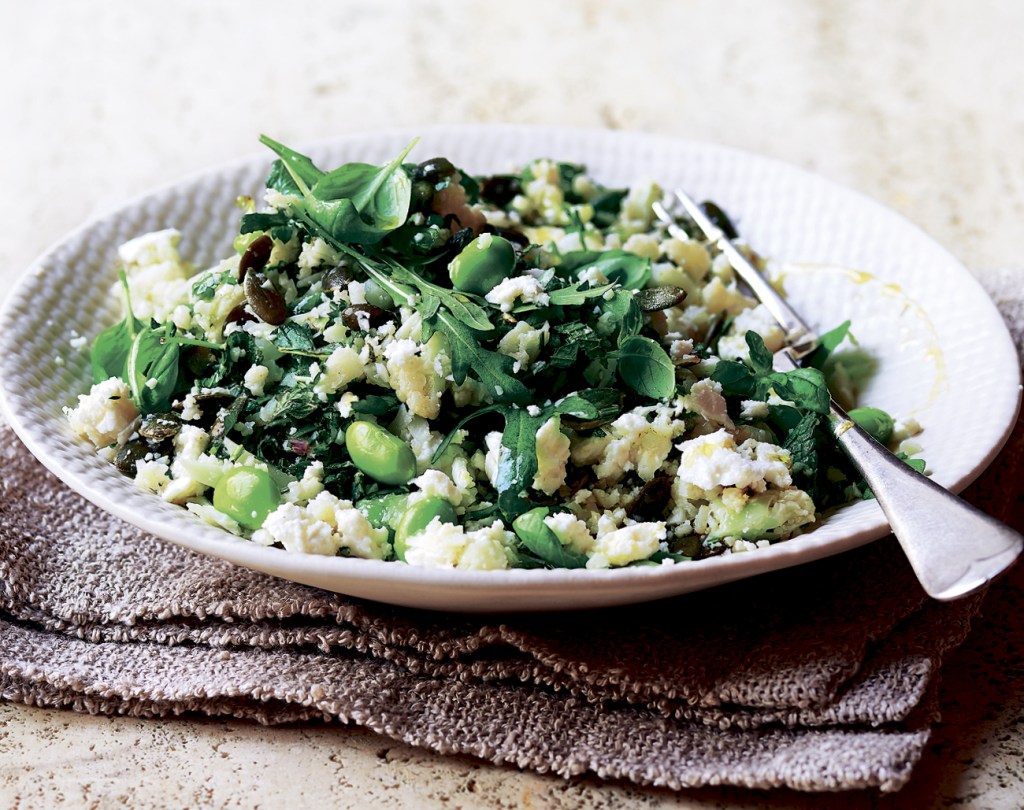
406, 362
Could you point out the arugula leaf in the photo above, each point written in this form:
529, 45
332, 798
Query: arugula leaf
265, 221
627, 269
575, 296
646, 368
492, 369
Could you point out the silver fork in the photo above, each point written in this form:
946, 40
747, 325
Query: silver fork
954, 548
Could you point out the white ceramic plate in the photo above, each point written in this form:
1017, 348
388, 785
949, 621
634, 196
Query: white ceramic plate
943, 353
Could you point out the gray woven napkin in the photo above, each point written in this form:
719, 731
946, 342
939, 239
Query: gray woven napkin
822, 677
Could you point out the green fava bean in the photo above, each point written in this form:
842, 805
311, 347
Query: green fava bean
483, 264
247, 495
417, 517
875, 421
381, 455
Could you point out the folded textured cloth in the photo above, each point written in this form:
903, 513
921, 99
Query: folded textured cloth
821, 677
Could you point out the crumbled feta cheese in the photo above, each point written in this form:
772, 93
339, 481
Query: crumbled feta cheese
151, 475
189, 444
733, 346
623, 546
344, 365
315, 254
435, 484
720, 298
492, 459
447, 545
714, 460
105, 413
630, 443
643, 244
157, 278
310, 485
752, 410
524, 288
523, 343
415, 377
255, 378
688, 254
570, 531
325, 526
552, 457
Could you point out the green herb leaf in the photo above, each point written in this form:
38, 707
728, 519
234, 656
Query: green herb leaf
356, 203
110, 349
517, 464
206, 286
492, 369
443, 446
620, 315
827, 344
626, 269
646, 368
575, 296
298, 167
150, 359
293, 337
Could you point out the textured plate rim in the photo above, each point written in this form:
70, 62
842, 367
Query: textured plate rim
522, 587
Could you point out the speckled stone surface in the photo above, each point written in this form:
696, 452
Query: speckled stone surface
922, 110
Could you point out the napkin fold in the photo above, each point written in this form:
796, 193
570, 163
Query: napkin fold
820, 677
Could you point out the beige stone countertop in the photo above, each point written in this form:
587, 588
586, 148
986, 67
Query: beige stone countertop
920, 106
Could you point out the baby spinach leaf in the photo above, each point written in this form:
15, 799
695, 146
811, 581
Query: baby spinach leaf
627, 269
517, 464
110, 349
152, 370
591, 404
646, 368
538, 538
805, 387
357, 203
298, 167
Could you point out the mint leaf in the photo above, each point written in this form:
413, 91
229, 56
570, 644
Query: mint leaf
645, 367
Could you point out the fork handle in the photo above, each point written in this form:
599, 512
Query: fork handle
953, 547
